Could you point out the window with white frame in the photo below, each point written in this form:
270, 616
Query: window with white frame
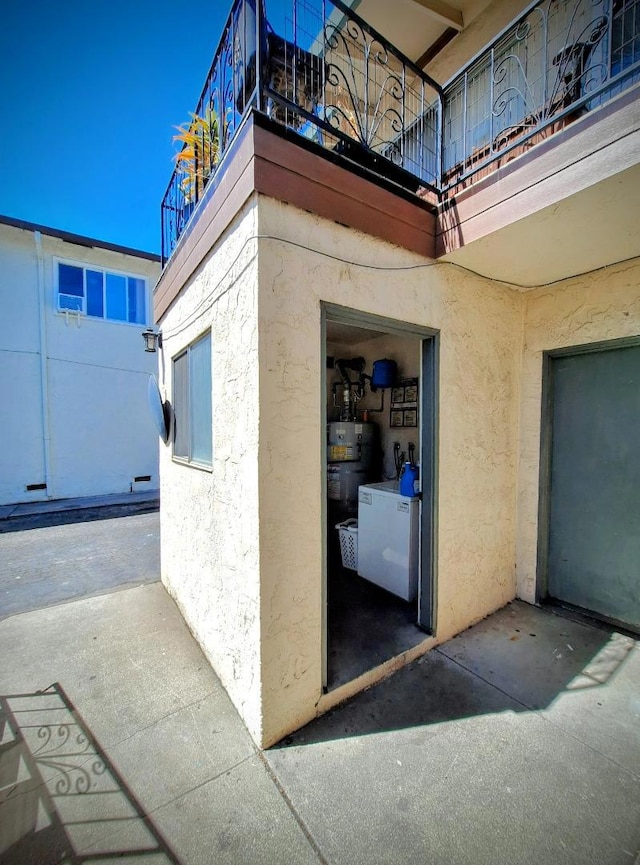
101, 293
192, 435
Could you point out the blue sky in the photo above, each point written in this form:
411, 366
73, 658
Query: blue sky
89, 95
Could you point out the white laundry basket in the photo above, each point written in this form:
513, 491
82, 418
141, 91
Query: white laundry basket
348, 533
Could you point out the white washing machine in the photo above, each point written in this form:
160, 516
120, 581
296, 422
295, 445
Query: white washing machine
389, 538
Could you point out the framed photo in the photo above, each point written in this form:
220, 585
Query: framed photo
410, 417
397, 395
411, 393
397, 418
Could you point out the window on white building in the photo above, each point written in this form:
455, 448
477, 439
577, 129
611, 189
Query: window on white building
192, 438
101, 293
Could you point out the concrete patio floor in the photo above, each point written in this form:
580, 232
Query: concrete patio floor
517, 742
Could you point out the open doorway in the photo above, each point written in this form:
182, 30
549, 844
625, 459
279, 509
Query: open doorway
380, 399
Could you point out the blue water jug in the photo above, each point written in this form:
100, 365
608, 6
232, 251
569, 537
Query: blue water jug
407, 480
385, 373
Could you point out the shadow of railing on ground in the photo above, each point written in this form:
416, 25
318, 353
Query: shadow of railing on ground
61, 799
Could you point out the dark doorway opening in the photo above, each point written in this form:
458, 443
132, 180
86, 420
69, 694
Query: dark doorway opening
380, 579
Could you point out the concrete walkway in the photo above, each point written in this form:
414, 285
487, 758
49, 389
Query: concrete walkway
518, 742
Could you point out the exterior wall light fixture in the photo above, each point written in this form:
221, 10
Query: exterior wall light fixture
152, 339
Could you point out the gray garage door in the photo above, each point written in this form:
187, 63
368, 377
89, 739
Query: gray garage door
594, 520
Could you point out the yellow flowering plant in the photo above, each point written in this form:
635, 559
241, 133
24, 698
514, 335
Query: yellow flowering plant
200, 152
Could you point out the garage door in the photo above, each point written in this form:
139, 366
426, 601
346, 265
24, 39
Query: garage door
594, 516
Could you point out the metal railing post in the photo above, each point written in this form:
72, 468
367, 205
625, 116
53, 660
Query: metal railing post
439, 131
260, 34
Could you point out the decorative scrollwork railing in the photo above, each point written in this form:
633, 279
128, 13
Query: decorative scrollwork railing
229, 92
560, 59
374, 116
332, 79
362, 97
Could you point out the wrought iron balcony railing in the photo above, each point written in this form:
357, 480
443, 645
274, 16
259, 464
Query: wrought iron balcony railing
229, 91
558, 60
331, 78
334, 80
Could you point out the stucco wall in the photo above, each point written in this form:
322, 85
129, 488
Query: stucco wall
97, 422
243, 544
600, 306
481, 333
209, 519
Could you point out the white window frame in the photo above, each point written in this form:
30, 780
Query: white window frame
87, 265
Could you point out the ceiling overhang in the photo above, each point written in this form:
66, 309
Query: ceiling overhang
442, 12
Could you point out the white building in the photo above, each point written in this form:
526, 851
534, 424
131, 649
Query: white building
73, 371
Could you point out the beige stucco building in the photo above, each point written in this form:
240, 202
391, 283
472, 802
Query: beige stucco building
291, 256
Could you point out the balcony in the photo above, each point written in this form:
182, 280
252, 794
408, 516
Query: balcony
558, 61
335, 85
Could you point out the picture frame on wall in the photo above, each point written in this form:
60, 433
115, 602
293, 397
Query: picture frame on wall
411, 393
404, 403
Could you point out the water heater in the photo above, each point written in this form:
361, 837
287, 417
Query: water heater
352, 448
